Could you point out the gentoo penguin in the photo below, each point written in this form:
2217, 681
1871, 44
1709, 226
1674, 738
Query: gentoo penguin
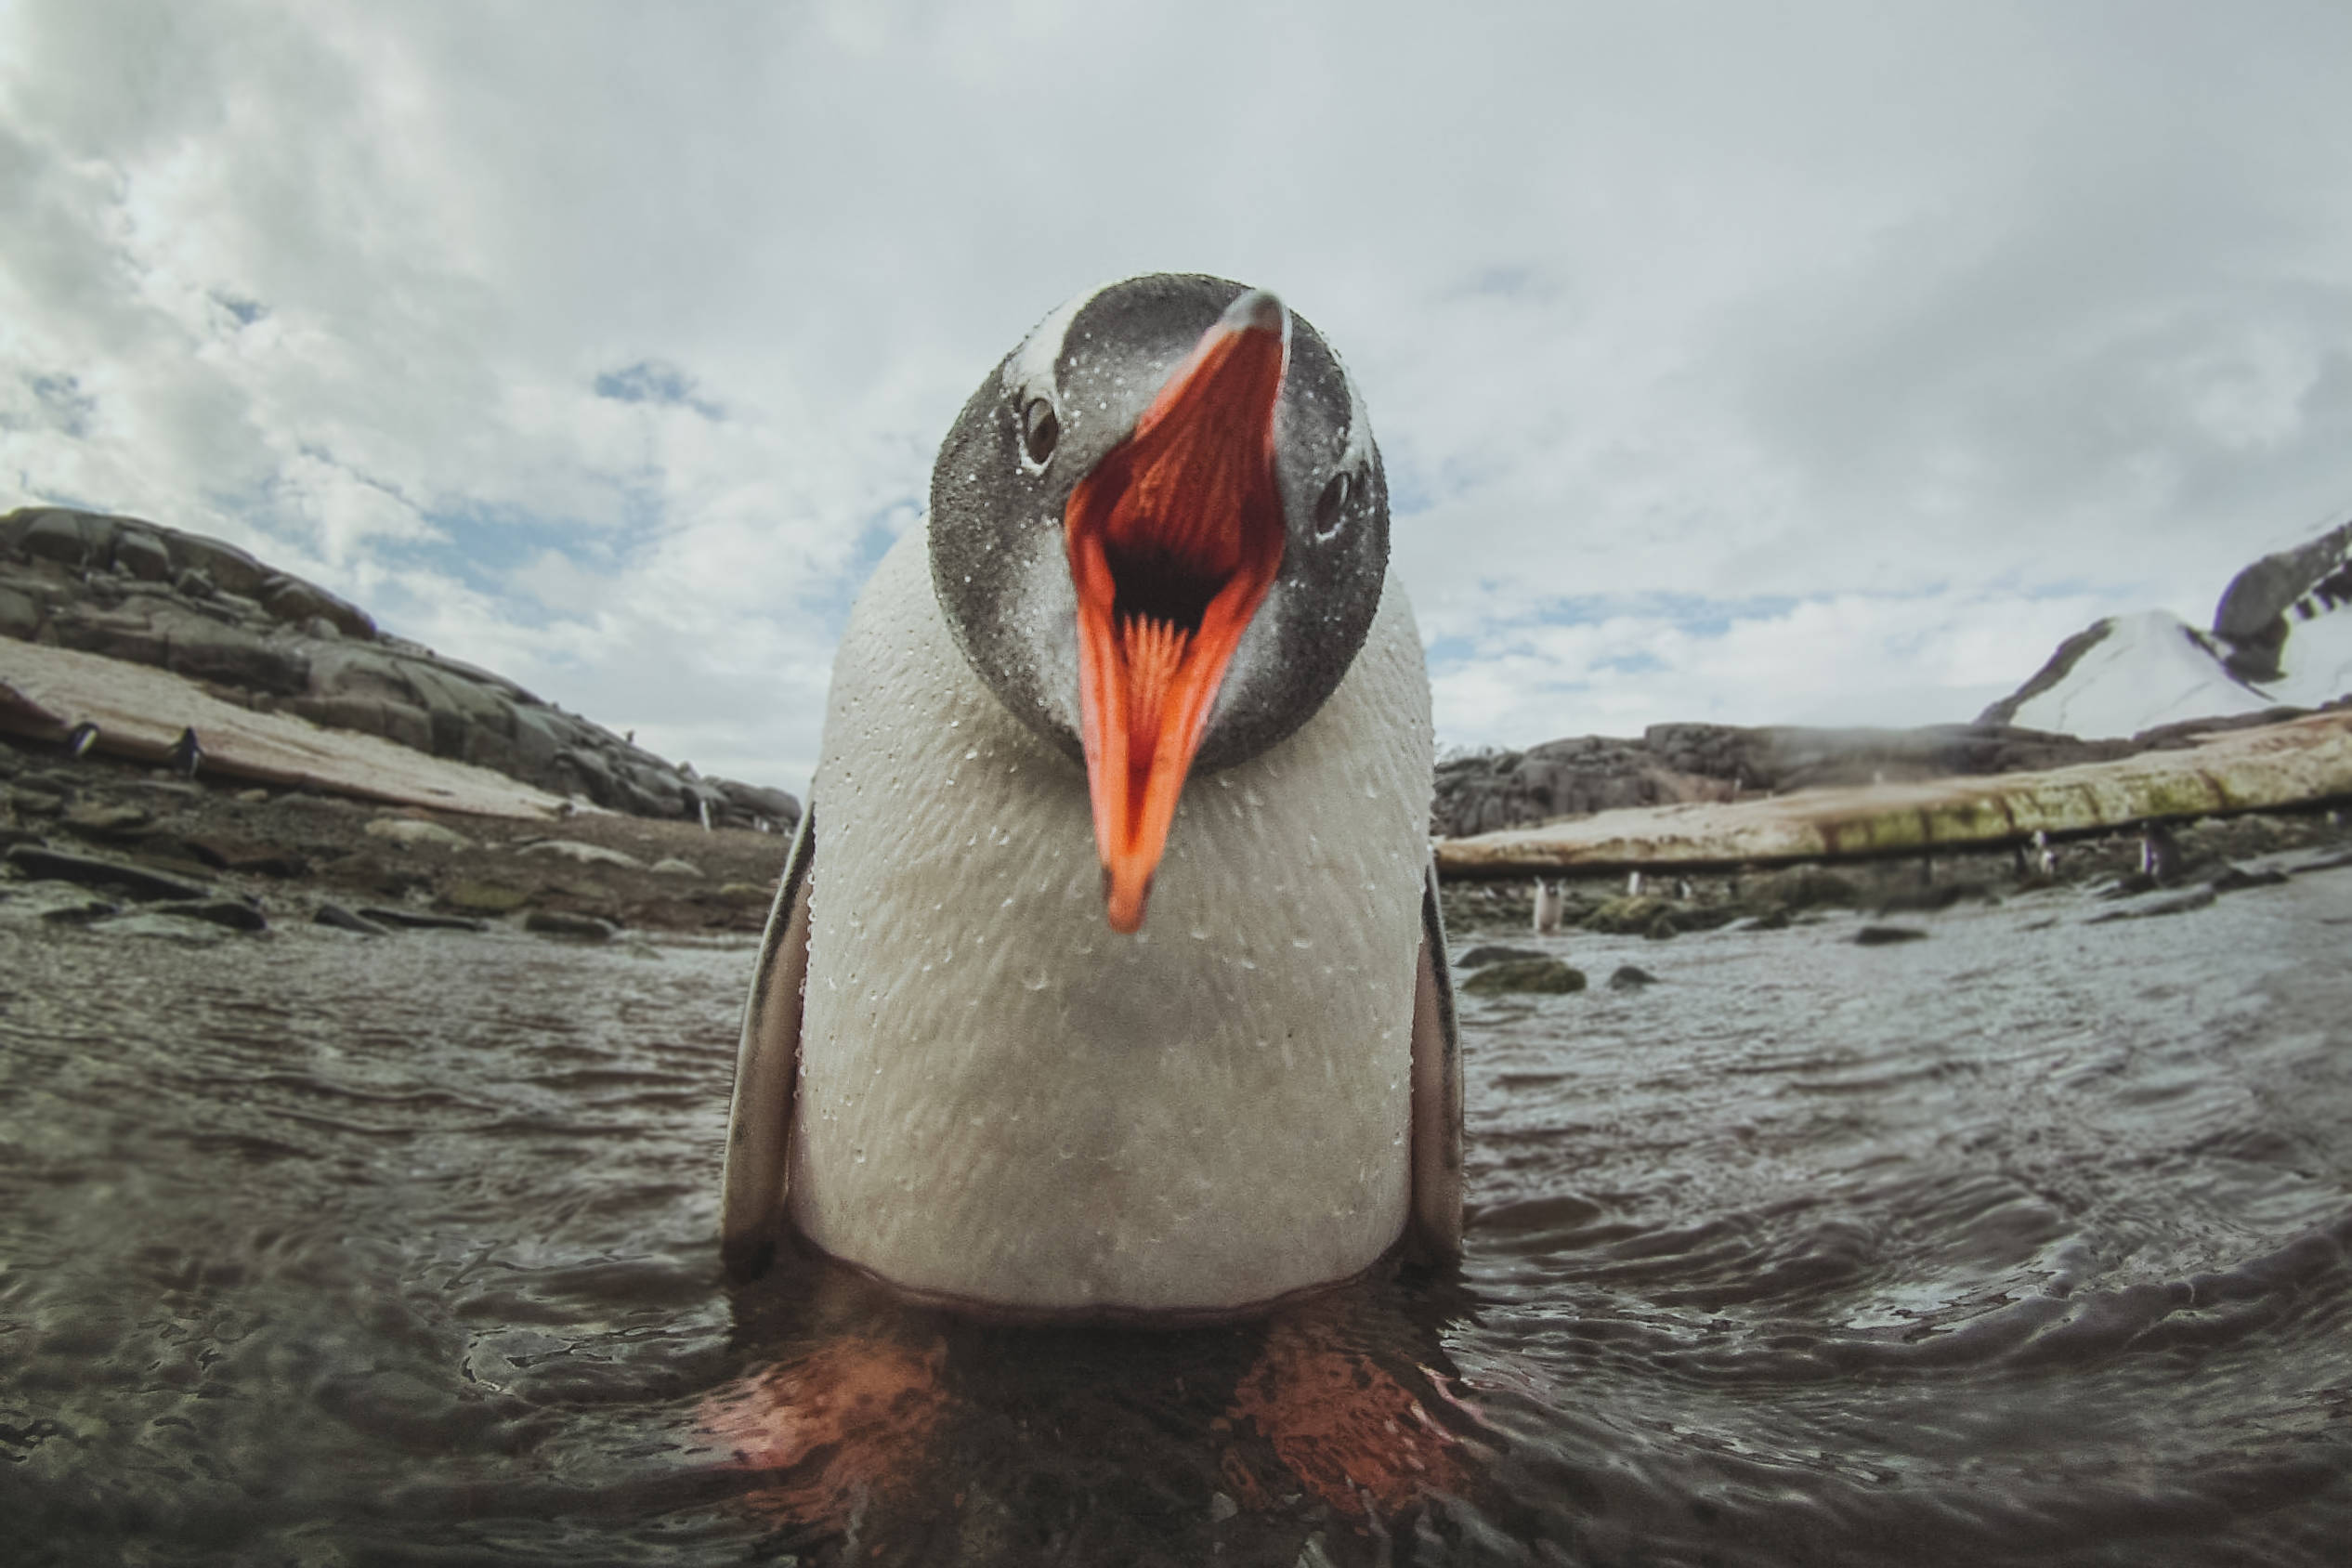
80, 738
187, 754
1105, 977
1548, 901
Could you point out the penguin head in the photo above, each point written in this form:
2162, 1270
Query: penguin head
1158, 531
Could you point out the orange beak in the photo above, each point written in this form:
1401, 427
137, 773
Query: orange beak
1174, 540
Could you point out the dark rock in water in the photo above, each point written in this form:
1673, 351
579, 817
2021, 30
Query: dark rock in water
2131, 885
1546, 976
2171, 904
1490, 952
2326, 863
133, 591
1630, 977
86, 871
1886, 935
1776, 919
341, 919
412, 919
234, 913
2236, 878
551, 922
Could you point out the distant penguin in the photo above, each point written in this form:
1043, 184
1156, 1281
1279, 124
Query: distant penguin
2158, 854
187, 754
1682, 889
1548, 901
79, 739
2044, 857
1633, 884
702, 810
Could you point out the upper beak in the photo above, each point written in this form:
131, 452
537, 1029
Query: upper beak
1173, 540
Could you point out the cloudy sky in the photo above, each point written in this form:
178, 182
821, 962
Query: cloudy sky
1758, 363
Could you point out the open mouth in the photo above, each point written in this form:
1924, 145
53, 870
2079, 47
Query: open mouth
1173, 540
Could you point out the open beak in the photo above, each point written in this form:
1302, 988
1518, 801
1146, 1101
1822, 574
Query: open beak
1173, 540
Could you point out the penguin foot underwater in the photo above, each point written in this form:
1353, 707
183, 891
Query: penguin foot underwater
1105, 977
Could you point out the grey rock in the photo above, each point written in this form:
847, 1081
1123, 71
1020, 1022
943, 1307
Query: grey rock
1630, 977
341, 919
1888, 935
1492, 952
133, 881
554, 923
232, 913
2236, 878
1545, 976
412, 919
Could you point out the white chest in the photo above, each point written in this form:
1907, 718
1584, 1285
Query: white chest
1002, 1099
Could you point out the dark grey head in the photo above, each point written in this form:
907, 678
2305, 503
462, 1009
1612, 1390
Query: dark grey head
1067, 398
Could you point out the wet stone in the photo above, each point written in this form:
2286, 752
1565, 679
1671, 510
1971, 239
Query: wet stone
2236, 878
88, 871
585, 928
232, 913
341, 919
1541, 975
1630, 977
1888, 935
414, 919
1494, 952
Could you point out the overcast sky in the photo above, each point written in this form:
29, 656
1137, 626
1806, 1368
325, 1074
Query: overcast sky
1745, 362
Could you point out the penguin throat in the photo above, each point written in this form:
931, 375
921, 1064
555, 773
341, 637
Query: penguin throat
1174, 540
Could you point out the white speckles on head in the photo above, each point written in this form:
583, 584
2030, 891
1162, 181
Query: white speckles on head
1029, 372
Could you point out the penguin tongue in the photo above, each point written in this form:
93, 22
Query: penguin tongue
1173, 540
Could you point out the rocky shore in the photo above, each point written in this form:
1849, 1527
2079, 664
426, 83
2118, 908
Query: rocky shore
267, 641
2196, 861
140, 850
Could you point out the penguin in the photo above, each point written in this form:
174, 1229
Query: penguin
1105, 978
187, 754
80, 738
1548, 906
2158, 854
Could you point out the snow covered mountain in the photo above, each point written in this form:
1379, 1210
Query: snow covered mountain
2281, 638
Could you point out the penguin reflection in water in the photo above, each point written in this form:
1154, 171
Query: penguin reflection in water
1105, 981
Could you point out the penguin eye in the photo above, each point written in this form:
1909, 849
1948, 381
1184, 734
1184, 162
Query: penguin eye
1040, 430
1330, 503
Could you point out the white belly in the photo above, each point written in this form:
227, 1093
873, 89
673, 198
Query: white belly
1002, 1099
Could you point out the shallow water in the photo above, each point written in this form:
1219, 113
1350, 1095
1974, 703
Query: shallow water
2023, 1242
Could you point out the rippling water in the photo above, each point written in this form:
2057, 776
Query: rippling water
2024, 1242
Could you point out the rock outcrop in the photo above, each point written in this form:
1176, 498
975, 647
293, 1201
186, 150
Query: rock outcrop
1675, 763
2300, 762
271, 642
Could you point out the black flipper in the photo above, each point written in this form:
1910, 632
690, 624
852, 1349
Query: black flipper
1433, 1230
767, 1072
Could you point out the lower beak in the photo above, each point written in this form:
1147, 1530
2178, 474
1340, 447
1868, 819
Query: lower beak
1173, 540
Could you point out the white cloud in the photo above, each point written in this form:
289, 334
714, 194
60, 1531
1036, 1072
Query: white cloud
1820, 362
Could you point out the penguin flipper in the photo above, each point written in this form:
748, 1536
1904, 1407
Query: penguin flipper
767, 1072
1434, 1227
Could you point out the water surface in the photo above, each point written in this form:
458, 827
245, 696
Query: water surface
2025, 1243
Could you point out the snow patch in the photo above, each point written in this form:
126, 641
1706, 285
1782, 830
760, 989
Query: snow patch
2150, 669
